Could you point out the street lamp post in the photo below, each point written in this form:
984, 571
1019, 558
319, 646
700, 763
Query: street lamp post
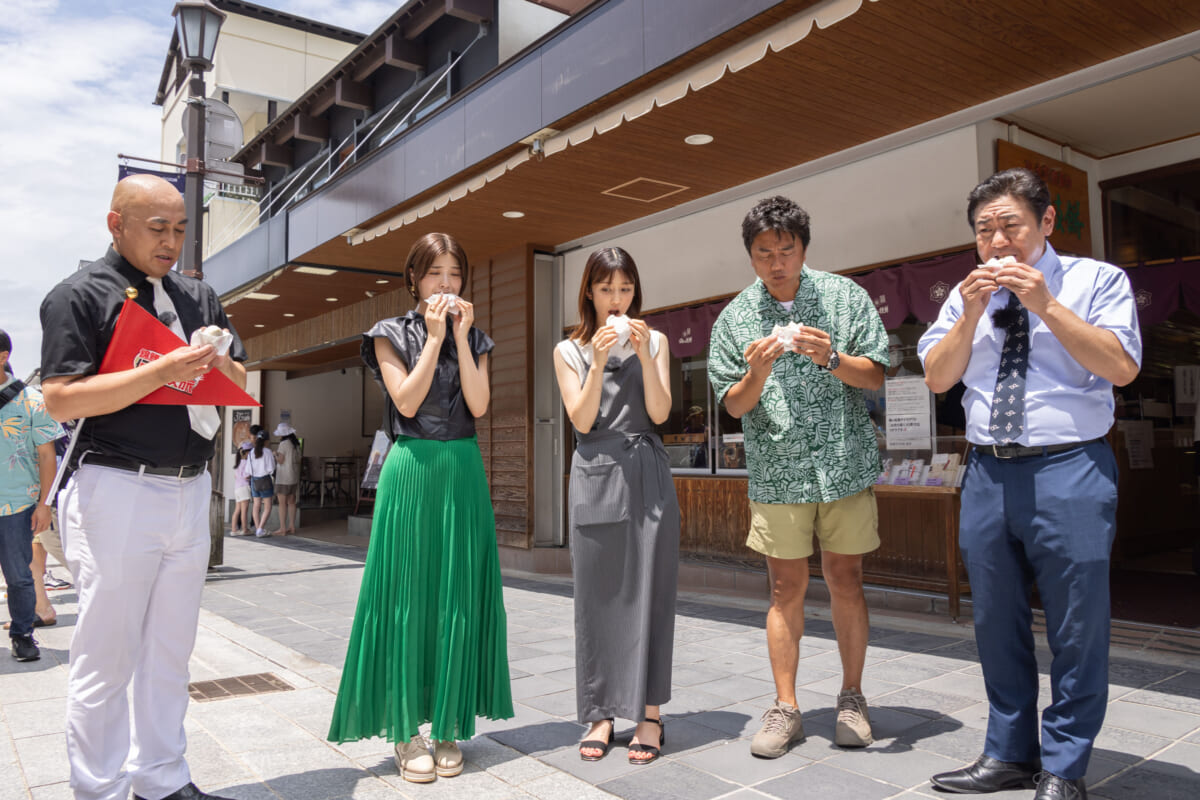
197, 23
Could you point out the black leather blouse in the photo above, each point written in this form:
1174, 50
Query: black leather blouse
443, 414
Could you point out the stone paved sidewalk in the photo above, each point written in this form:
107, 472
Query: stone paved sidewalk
283, 606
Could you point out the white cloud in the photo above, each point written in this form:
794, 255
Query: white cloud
75, 90
77, 81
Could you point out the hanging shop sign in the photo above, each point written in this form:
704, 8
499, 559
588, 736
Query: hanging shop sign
1068, 192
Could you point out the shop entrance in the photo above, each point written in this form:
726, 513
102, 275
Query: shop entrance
1152, 229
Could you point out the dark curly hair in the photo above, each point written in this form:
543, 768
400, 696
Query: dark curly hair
777, 214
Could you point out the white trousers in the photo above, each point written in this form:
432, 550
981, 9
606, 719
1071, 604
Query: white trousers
138, 547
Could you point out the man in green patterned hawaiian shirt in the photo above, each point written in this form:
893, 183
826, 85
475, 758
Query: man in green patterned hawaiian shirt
790, 356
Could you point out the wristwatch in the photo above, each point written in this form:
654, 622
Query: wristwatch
835, 361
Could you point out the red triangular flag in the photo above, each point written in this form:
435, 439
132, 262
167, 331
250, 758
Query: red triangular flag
139, 338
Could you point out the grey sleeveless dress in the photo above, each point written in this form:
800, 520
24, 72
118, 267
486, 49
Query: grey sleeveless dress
625, 554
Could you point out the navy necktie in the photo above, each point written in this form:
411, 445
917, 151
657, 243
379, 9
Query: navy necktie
1008, 402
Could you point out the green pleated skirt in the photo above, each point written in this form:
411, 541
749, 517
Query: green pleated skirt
429, 638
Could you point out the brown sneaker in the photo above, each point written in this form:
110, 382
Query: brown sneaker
782, 725
853, 722
414, 761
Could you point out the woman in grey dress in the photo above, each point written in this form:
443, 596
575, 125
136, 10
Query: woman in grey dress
623, 512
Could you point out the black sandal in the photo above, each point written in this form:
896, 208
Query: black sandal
646, 748
597, 744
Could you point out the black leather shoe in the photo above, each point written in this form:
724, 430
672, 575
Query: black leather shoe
25, 649
987, 775
189, 792
1052, 787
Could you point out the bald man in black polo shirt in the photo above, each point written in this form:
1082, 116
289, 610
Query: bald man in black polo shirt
134, 516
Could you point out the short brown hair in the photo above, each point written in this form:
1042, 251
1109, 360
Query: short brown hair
600, 268
422, 254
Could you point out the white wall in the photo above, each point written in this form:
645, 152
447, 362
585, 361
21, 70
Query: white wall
520, 23
256, 61
906, 202
326, 410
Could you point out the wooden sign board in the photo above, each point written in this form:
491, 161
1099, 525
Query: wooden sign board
1068, 192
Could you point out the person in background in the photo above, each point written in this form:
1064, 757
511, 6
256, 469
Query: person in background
27, 434
429, 642
287, 476
261, 463
623, 511
239, 523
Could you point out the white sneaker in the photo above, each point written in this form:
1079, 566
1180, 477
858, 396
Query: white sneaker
414, 761
261, 533
449, 759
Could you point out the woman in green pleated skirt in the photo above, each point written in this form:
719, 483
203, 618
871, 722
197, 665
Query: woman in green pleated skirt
428, 644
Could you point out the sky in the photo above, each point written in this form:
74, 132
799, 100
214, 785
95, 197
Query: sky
77, 85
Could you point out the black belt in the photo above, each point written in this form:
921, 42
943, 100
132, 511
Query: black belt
187, 471
1007, 451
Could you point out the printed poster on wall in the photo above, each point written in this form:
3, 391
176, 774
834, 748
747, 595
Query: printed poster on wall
1187, 389
1139, 442
909, 409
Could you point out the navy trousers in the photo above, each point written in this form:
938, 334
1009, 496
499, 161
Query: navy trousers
1048, 520
16, 551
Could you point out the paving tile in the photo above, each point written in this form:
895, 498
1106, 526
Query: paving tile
1160, 699
1137, 674
1156, 781
540, 738
694, 674
561, 786
907, 670
736, 720
544, 664
690, 700
737, 688
36, 718
668, 780
535, 685
913, 700
1127, 746
1149, 719
732, 761
43, 759
821, 780
558, 704
909, 770
53, 791
947, 737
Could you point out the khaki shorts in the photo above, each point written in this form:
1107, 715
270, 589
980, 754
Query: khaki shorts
285, 489
849, 526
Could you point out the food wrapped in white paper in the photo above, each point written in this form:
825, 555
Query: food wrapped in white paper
219, 338
451, 301
620, 326
996, 263
786, 334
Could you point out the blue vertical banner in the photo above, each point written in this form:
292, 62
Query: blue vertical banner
176, 179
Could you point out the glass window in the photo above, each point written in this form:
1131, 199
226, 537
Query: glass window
685, 434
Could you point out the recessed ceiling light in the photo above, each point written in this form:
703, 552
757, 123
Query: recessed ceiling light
330, 299
288, 314
259, 296
259, 325
698, 138
315, 270
382, 280
513, 214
